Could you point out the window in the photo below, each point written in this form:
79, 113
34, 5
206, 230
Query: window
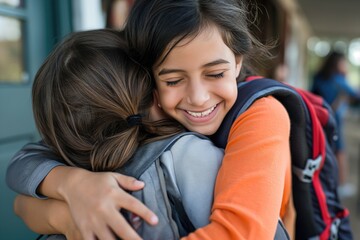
12, 67
12, 3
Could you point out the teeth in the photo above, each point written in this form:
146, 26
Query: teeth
202, 114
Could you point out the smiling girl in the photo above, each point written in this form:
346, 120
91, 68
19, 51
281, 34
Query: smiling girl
198, 51
198, 89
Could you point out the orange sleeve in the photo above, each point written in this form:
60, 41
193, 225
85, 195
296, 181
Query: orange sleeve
254, 182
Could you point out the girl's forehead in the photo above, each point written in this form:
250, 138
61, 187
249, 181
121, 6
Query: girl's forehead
208, 41
205, 33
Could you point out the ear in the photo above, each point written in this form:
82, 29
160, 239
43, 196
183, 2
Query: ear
156, 113
238, 61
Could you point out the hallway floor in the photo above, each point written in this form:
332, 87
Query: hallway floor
352, 133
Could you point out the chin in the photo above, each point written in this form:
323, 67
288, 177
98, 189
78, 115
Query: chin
206, 132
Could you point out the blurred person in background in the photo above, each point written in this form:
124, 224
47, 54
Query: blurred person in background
117, 12
330, 82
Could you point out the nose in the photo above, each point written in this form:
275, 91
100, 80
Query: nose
197, 93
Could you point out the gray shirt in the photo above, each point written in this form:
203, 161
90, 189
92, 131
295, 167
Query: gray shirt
192, 165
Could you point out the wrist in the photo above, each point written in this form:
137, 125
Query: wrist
62, 220
70, 177
59, 182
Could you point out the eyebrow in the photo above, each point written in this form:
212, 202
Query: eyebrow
210, 64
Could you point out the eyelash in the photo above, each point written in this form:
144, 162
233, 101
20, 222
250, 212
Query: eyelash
220, 75
172, 83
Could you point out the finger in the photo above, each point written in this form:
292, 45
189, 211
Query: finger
128, 183
103, 232
135, 206
123, 229
87, 235
98, 228
85, 229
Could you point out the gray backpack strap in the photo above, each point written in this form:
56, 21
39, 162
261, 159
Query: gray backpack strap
148, 153
281, 233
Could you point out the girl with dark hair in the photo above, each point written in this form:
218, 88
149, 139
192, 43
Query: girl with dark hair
330, 83
197, 51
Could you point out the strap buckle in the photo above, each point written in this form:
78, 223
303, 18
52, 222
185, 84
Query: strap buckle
334, 229
307, 174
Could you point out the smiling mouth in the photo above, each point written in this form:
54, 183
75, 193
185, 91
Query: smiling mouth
201, 114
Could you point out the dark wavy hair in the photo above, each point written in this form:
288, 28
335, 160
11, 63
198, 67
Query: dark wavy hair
83, 94
154, 27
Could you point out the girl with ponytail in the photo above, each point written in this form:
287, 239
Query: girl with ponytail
91, 101
94, 106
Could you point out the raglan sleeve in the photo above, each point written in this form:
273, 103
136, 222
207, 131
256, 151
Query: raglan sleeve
196, 163
29, 167
252, 180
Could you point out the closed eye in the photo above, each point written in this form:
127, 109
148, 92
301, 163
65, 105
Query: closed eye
172, 83
219, 75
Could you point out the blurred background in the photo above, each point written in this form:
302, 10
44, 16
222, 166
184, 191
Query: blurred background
305, 32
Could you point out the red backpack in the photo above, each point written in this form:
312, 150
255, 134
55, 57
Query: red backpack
320, 214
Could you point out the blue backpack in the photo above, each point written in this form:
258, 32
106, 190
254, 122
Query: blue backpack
319, 213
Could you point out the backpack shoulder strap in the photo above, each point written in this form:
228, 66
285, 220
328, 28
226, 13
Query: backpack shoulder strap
248, 93
149, 153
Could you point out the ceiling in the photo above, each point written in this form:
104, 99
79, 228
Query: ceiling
332, 18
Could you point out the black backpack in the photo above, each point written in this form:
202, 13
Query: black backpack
319, 213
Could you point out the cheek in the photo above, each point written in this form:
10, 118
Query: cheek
231, 94
227, 89
168, 99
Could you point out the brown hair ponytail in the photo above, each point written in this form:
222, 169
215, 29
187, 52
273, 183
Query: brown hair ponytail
83, 95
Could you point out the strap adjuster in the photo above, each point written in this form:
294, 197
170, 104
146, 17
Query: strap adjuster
334, 229
307, 174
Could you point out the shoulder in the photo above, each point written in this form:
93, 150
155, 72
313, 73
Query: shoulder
269, 103
193, 146
339, 77
191, 154
266, 108
192, 164
265, 115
